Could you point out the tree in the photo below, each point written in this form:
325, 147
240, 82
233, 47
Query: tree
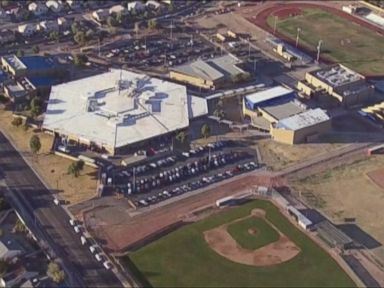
79, 38
89, 34
17, 121
54, 35
3, 267
80, 59
205, 131
75, 167
35, 144
152, 24
19, 53
111, 21
35, 106
35, 49
20, 227
181, 136
75, 28
55, 273
120, 17
219, 111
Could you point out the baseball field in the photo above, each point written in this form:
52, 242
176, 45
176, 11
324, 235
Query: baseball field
247, 246
344, 41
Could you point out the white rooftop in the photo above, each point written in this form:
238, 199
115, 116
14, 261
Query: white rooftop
302, 120
120, 107
268, 94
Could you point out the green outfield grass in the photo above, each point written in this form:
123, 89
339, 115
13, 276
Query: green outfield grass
264, 235
184, 259
345, 42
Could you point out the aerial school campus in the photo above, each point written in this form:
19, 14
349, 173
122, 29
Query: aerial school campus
257, 244
202, 144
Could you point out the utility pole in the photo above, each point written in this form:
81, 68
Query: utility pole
274, 26
254, 66
297, 36
318, 50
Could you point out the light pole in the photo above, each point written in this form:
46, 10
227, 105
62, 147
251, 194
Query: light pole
274, 26
249, 49
254, 66
298, 36
318, 50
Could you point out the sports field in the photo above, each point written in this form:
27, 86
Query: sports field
344, 41
186, 257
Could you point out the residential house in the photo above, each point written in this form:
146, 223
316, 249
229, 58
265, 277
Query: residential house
37, 8
49, 26
136, 6
27, 29
54, 6
118, 9
8, 251
6, 36
4, 16
100, 15
152, 4
64, 23
74, 4
17, 277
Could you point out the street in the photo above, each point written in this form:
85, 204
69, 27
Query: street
34, 202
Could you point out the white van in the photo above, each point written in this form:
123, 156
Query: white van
72, 222
93, 248
107, 265
56, 201
98, 257
83, 240
77, 229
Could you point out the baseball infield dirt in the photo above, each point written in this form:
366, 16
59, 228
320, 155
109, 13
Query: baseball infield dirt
377, 177
274, 253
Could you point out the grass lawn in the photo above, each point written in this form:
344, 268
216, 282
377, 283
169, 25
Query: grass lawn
264, 233
184, 259
345, 42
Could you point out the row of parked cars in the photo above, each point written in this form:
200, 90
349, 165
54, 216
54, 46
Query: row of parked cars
93, 248
204, 181
182, 172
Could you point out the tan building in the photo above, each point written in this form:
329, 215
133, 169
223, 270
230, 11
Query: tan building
210, 74
346, 86
271, 105
301, 128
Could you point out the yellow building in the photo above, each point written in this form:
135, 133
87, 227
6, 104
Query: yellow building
270, 106
210, 74
301, 128
346, 86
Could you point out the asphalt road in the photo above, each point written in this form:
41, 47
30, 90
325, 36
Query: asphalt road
30, 194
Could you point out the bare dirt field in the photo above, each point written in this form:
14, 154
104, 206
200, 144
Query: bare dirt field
278, 156
118, 230
271, 254
51, 168
346, 192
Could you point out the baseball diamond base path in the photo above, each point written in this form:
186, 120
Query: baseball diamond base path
274, 253
377, 177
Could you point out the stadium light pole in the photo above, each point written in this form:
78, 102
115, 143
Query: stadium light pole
318, 50
298, 36
274, 26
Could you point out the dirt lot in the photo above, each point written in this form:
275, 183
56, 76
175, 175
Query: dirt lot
347, 192
278, 156
51, 168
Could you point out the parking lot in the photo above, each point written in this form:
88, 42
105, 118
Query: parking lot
152, 182
161, 50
